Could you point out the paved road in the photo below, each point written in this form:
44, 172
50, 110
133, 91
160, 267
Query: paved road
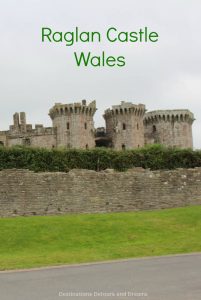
162, 278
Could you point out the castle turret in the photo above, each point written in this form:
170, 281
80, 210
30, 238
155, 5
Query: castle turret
124, 125
19, 123
74, 124
23, 125
16, 122
169, 127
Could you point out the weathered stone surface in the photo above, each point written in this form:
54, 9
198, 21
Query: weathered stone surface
169, 127
127, 127
23, 192
124, 125
74, 124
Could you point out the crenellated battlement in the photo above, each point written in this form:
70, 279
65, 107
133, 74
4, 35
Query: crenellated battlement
176, 115
125, 108
124, 125
172, 128
128, 126
60, 109
38, 130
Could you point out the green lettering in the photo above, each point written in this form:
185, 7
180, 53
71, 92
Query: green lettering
82, 58
123, 36
121, 61
108, 34
84, 36
59, 38
69, 40
110, 61
153, 37
141, 32
133, 36
95, 34
95, 61
46, 34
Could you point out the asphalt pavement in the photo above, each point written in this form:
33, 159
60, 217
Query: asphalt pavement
160, 278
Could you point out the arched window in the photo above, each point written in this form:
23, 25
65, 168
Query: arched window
123, 147
68, 125
137, 126
87, 147
124, 126
85, 125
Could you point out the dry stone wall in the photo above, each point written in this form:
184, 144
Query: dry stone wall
23, 192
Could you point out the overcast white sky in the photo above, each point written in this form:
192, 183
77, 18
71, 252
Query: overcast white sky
163, 75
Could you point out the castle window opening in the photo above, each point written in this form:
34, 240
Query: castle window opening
68, 125
137, 126
85, 125
27, 142
124, 126
87, 147
1, 143
123, 147
154, 128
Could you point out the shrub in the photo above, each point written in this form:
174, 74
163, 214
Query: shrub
61, 160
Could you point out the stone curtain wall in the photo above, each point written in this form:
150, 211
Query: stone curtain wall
23, 192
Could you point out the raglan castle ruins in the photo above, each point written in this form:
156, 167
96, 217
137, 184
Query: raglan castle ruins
127, 126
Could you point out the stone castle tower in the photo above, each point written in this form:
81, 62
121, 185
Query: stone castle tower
169, 127
74, 124
19, 123
127, 127
124, 125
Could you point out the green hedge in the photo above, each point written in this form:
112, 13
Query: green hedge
153, 157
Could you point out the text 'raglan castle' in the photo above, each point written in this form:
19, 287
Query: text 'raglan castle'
128, 126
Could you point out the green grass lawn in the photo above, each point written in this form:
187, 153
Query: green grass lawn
52, 240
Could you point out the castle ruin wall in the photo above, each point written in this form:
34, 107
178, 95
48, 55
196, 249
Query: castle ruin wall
25, 193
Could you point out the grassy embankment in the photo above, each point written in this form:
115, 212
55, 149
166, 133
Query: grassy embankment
52, 240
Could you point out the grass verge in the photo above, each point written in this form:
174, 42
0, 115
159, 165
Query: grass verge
27, 242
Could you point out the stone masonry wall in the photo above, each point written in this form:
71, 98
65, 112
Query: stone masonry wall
172, 128
23, 192
124, 125
74, 124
